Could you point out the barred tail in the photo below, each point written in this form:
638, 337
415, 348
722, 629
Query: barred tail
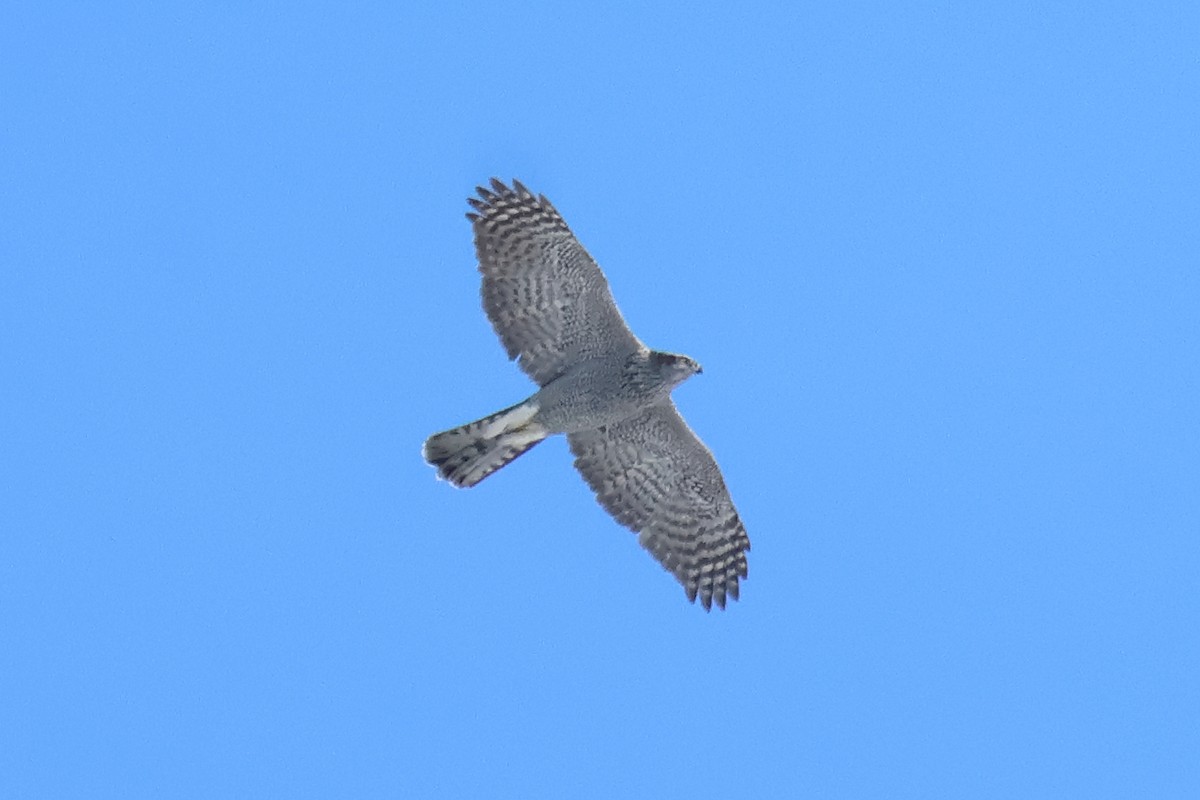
468, 454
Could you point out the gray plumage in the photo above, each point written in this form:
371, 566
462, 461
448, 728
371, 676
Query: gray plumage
550, 305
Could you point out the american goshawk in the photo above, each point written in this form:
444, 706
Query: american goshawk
611, 395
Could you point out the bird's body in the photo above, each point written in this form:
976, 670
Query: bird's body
550, 304
570, 402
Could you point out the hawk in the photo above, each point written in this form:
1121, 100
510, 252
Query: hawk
551, 307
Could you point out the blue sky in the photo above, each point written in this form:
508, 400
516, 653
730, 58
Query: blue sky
939, 261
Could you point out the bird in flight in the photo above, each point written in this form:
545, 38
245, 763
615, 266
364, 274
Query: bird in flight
550, 304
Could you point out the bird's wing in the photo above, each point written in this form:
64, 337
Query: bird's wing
546, 297
655, 476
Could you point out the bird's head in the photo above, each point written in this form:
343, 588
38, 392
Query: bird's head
672, 368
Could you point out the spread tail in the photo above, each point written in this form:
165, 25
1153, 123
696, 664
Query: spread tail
468, 454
